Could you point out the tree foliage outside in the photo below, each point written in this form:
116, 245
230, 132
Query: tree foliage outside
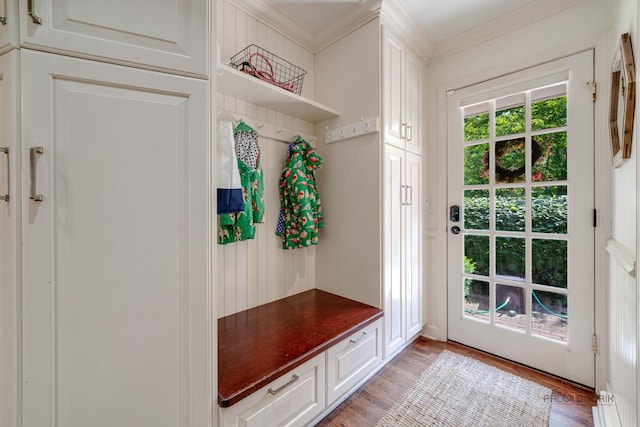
548, 196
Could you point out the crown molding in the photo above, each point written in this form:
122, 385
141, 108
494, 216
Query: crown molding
512, 21
275, 17
396, 17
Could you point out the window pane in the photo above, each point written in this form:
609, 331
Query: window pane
549, 209
510, 160
476, 209
476, 254
510, 117
550, 113
549, 157
476, 299
549, 315
511, 307
510, 209
510, 259
476, 127
549, 262
476, 164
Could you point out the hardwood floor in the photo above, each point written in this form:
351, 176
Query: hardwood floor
571, 405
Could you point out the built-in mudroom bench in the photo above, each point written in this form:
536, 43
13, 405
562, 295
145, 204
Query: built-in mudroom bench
290, 361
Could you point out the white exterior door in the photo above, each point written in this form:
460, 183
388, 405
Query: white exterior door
164, 35
115, 255
521, 236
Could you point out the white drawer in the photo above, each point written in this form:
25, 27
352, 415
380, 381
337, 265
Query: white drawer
351, 360
294, 399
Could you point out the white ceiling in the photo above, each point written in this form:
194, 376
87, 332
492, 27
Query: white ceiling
442, 19
440, 28
439, 19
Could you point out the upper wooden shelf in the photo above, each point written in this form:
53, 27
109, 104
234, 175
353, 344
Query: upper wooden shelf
241, 85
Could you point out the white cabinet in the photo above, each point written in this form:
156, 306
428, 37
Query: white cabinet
115, 247
352, 360
169, 35
402, 248
9, 238
8, 25
294, 399
402, 94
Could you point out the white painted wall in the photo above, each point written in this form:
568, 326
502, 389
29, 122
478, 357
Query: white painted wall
622, 349
581, 27
348, 78
258, 271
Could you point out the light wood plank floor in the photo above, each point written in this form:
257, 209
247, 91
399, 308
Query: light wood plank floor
571, 404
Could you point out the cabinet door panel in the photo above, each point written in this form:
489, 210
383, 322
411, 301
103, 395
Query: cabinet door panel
9, 238
413, 102
394, 331
393, 78
164, 35
115, 255
413, 245
8, 25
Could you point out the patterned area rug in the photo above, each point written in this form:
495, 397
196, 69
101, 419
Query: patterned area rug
457, 391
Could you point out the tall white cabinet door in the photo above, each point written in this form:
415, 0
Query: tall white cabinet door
413, 244
168, 35
115, 255
394, 193
9, 238
413, 102
393, 87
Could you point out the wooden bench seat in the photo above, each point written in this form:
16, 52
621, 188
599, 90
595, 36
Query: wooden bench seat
258, 345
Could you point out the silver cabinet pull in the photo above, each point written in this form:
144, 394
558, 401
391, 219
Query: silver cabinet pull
5, 150
403, 130
403, 195
3, 18
32, 13
409, 133
409, 194
293, 379
357, 340
33, 192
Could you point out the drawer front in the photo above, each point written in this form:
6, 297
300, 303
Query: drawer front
294, 399
351, 360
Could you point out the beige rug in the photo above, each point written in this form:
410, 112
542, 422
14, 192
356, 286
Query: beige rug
457, 391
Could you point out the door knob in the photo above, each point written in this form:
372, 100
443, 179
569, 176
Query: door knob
455, 229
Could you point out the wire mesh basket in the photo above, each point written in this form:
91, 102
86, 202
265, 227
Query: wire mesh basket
269, 67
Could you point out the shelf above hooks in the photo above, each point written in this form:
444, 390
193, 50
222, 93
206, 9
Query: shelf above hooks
241, 85
364, 127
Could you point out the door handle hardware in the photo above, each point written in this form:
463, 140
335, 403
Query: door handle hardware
455, 229
403, 130
360, 338
410, 195
33, 192
409, 133
5, 150
32, 12
293, 379
403, 195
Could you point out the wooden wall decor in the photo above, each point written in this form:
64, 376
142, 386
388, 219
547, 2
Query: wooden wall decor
623, 101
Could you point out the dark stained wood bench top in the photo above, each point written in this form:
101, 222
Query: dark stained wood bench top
258, 345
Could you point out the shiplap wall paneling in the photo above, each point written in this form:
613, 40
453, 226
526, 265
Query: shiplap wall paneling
258, 271
238, 27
